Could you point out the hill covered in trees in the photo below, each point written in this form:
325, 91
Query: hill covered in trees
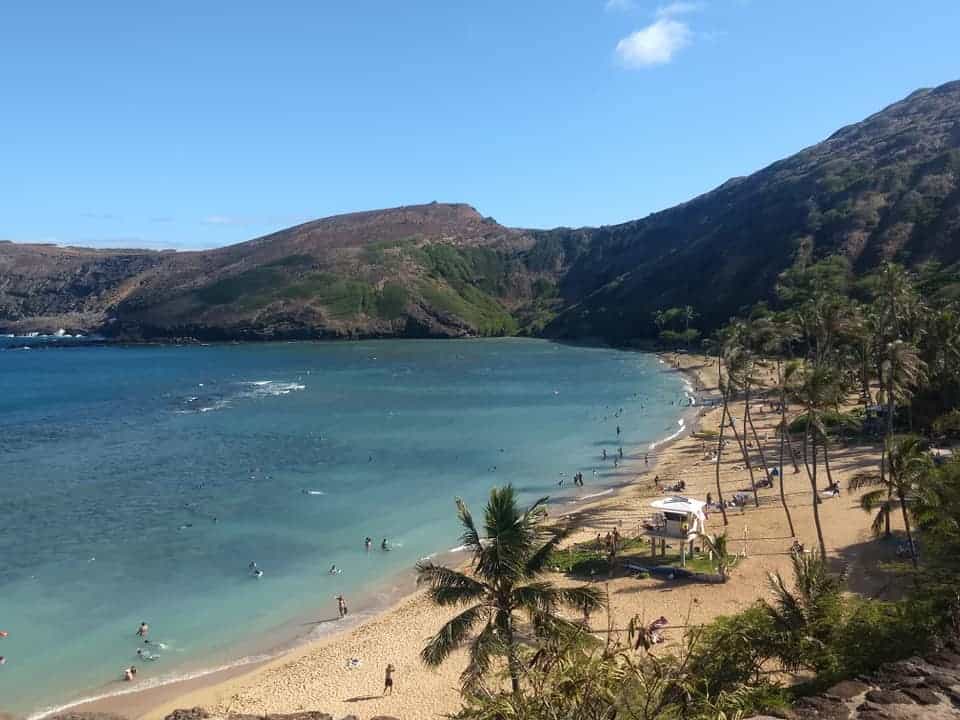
885, 188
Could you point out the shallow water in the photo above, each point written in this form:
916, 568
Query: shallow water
137, 483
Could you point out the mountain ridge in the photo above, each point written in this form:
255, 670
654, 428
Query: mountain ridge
887, 187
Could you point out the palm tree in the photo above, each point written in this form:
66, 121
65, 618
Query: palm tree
739, 361
506, 564
901, 369
936, 509
805, 616
720, 553
909, 465
716, 345
784, 377
817, 387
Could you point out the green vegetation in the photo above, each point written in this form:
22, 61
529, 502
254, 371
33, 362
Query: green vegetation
342, 298
392, 301
481, 311
675, 326
508, 560
589, 559
881, 341
835, 421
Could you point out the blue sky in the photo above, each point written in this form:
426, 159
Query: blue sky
196, 124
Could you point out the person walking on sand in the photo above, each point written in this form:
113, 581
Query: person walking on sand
388, 679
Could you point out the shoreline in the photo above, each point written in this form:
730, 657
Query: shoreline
148, 702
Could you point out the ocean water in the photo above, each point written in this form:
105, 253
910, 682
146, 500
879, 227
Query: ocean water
137, 483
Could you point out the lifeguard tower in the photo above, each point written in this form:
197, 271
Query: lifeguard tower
678, 518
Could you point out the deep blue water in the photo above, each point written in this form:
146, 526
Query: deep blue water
114, 462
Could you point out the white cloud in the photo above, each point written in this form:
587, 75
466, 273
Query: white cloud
678, 8
655, 44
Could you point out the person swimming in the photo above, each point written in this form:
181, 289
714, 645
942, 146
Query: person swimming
146, 656
334, 570
130, 673
384, 545
367, 542
143, 630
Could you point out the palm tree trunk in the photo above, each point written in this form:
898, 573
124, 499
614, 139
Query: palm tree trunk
513, 662
723, 423
865, 379
806, 450
743, 449
816, 500
885, 456
756, 439
783, 498
906, 526
826, 460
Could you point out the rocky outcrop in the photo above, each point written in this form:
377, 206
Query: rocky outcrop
198, 713
920, 688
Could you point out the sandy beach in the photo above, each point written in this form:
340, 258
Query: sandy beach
343, 673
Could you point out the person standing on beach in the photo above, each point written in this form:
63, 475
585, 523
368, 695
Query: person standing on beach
342, 607
388, 679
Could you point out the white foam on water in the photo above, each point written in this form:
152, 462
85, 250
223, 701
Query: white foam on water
271, 388
597, 494
150, 683
678, 433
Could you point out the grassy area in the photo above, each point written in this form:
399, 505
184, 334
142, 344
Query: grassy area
584, 559
481, 311
341, 297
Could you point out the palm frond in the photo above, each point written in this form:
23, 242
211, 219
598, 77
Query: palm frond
483, 649
874, 499
536, 597
447, 586
451, 635
538, 560
470, 537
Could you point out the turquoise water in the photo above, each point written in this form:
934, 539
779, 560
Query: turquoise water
137, 483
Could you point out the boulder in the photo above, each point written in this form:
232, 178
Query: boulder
847, 690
